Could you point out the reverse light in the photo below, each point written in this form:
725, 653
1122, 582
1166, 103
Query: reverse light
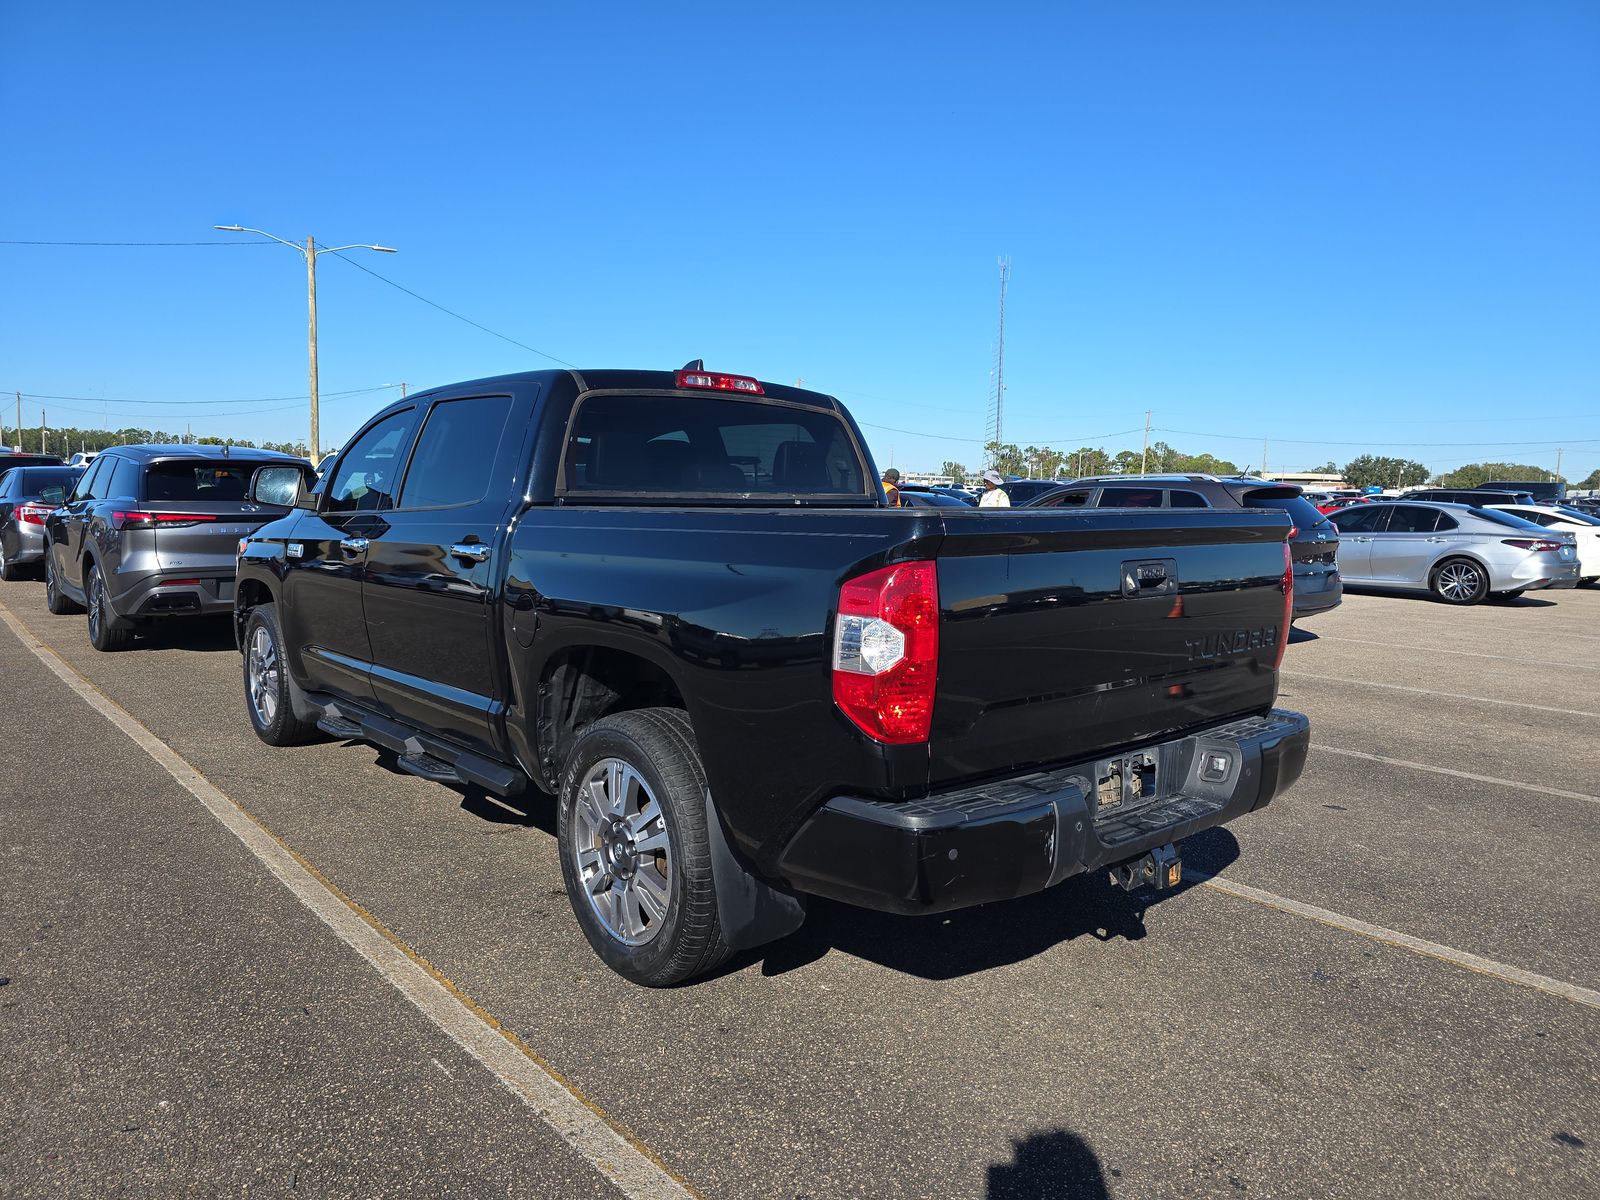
886, 652
1531, 543
1288, 607
720, 383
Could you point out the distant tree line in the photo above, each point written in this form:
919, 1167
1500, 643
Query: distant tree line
67, 442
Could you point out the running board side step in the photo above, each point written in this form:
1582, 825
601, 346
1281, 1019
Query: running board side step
417, 753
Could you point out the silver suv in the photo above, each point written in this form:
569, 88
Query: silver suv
153, 531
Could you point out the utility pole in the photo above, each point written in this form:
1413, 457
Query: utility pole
43, 449
1263, 458
1144, 459
1559, 453
19, 422
311, 303
402, 391
997, 402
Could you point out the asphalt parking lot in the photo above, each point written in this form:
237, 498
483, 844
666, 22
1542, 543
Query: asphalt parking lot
1389, 989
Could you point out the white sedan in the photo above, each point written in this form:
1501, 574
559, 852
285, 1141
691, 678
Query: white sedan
1582, 526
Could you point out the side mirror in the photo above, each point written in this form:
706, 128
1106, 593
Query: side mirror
277, 485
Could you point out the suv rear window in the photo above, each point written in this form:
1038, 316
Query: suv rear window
199, 480
705, 446
1301, 511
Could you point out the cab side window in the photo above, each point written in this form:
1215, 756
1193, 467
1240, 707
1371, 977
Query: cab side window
369, 472
459, 439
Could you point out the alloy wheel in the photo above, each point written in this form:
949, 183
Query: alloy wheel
623, 851
95, 616
1460, 581
263, 676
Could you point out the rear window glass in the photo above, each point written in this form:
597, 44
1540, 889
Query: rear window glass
624, 445
1504, 518
1301, 511
196, 481
57, 481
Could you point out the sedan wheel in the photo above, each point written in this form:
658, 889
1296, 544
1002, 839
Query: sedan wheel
1460, 581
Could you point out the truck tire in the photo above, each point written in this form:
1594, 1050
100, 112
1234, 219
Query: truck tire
1460, 581
269, 692
107, 631
635, 847
54, 599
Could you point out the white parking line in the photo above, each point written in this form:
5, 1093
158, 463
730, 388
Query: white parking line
1404, 941
1400, 687
1416, 766
1517, 658
624, 1161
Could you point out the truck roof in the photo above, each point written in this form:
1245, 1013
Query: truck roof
609, 378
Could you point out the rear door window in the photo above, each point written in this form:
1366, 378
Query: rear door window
86, 486
458, 440
1358, 518
703, 446
1075, 498
1130, 497
1412, 518
124, 478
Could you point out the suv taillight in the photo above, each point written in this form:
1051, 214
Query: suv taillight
886, 651
145, 520
1288, 607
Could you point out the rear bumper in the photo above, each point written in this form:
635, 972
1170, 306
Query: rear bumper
1317, 593
28, 542
157, 595
1012, 837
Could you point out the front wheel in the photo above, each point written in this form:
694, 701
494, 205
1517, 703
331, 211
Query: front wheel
635, 847
1460, 581
268, 689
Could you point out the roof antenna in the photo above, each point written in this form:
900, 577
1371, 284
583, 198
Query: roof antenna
694, 364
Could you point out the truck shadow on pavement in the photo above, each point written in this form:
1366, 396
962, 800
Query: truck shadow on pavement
204, 635
1057, 1165
964, 942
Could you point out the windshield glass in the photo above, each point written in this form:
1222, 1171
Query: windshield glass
710, 446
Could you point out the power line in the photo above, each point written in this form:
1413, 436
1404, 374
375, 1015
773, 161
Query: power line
450, 312
1235, 437
203, 403
248, 243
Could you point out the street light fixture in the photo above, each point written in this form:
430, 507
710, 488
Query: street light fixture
309, 252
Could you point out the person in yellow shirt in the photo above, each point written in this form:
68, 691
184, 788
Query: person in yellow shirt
994, 495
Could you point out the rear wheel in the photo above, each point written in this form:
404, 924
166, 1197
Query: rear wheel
268, 691
8, 569
635, 847
54, 599
1460, 581
107, 631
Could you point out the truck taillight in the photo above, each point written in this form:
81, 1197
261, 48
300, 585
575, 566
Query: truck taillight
1288, 607
886, 651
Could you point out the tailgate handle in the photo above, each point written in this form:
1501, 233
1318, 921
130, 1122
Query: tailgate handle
1149, 576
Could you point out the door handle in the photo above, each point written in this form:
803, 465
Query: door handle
1360, 539
476, 551
353, 545
1436, 539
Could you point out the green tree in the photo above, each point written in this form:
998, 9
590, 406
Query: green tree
1371, 470
1473, 474
1590, 484
1005, 457
957, 473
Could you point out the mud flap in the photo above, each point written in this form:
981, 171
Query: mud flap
752, 911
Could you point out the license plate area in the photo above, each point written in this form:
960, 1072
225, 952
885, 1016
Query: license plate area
1128, 781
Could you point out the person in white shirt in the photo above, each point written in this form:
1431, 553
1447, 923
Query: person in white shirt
994, 496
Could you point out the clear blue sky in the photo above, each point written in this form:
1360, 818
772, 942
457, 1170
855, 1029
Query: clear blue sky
1337, 226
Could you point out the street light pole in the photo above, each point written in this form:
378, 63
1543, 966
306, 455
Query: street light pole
311, 305
310, 251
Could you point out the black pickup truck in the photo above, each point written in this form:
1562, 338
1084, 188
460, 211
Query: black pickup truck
678, 602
